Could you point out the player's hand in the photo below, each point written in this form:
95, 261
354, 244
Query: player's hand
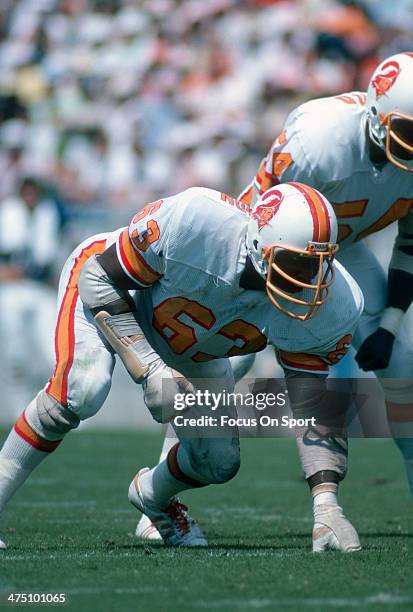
376, 350
161, 387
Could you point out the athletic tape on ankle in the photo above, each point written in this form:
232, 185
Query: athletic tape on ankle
324, 487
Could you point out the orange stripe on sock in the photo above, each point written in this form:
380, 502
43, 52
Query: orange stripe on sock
23, 429
65, 328
172, 460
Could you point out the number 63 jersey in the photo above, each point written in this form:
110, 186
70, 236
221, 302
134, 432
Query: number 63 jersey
187, 253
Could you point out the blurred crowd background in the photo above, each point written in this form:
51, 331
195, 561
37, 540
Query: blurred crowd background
106, 105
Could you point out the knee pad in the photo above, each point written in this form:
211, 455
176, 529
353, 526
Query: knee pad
48, 418
219, 463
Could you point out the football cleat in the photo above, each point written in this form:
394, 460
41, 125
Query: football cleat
332, 531
174, 524
3, 545
146, 530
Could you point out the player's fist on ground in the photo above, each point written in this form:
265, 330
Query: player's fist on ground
332, 531
375, 352
160, 389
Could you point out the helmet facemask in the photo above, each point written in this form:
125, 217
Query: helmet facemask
399, 140
292, 270
389, 106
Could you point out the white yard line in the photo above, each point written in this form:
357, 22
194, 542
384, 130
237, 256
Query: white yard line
380, 599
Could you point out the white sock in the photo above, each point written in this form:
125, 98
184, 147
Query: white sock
160, 486
166, 480
22, 451
170, 440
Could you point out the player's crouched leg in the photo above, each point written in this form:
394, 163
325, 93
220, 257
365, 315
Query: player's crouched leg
196, 461
36, 434
45, 422
190, 464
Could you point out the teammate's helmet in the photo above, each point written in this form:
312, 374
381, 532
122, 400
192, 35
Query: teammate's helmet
291, 240
389, 107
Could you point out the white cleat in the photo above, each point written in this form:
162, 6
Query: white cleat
173, 523
332, 531
146, 530
3, 545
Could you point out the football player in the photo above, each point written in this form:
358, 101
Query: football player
209, 281
357, 148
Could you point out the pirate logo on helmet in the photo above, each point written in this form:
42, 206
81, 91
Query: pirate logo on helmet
270, 204
386, 79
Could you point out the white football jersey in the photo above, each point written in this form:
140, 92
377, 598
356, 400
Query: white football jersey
324, 145
189, 251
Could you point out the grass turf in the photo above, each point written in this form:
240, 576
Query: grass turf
70, 530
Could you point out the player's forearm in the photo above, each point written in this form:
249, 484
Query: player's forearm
310, 397
376, 351
399, 285
400, 277
322, 447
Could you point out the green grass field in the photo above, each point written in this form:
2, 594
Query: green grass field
70, 530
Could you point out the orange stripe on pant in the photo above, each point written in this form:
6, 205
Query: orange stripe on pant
65, 328
23, 429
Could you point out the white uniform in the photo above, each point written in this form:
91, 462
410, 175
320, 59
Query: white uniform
196, 311
189, 251
324, 145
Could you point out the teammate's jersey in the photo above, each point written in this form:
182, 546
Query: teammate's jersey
324, 145
189, 251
